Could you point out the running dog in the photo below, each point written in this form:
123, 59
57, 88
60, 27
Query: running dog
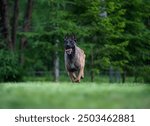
74, 59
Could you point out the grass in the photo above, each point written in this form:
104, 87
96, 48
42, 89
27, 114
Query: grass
68, 95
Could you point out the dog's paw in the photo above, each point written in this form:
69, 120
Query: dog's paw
77, 80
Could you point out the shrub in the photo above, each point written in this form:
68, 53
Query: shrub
9, 68
146, 74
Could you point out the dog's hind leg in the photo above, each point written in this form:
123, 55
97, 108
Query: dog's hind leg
82, 76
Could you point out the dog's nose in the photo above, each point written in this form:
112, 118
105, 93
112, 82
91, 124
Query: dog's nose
68, 43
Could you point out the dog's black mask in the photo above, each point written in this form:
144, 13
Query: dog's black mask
70, 43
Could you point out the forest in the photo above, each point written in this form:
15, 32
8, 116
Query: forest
114, 34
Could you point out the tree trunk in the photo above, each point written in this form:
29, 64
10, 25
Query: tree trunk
56, 63
26, 27
123, 76
92, 65
103, 12
118, 76
5, 23
14, 22
111, 75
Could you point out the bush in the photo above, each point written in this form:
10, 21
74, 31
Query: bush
146, 74
142, 74
9, 68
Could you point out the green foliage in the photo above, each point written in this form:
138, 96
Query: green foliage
142, 74
9, 69
146, 73
136, 31
111, 32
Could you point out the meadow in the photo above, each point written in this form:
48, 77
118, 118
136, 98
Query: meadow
67, 95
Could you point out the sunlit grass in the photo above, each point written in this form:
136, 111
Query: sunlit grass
68, 95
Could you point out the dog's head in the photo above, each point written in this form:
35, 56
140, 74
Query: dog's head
70, 43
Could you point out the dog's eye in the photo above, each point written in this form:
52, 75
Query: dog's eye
66, 42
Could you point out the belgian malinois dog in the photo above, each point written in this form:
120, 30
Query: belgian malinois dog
74, 59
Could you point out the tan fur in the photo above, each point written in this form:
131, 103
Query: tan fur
78, 62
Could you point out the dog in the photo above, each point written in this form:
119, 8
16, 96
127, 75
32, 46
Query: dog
74, 59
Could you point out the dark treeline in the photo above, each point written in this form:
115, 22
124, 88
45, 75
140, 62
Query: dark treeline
115, 35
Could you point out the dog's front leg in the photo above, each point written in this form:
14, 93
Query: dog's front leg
71, 76
79, 76
74, 76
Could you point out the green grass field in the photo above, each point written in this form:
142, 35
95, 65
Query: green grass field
68, 95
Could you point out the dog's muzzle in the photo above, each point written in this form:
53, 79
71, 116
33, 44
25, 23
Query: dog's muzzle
68, 51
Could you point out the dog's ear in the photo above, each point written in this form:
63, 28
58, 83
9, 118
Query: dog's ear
66, 36
74, 37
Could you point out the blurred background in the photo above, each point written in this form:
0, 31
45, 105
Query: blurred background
115, 35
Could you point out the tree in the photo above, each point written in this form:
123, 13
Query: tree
5, 28
14, 23
113, 34
137, 34
9, 69
104, 24
26, 27
56, 62
59, 23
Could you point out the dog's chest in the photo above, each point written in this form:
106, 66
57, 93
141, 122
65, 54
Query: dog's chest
72, 67
71, 64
